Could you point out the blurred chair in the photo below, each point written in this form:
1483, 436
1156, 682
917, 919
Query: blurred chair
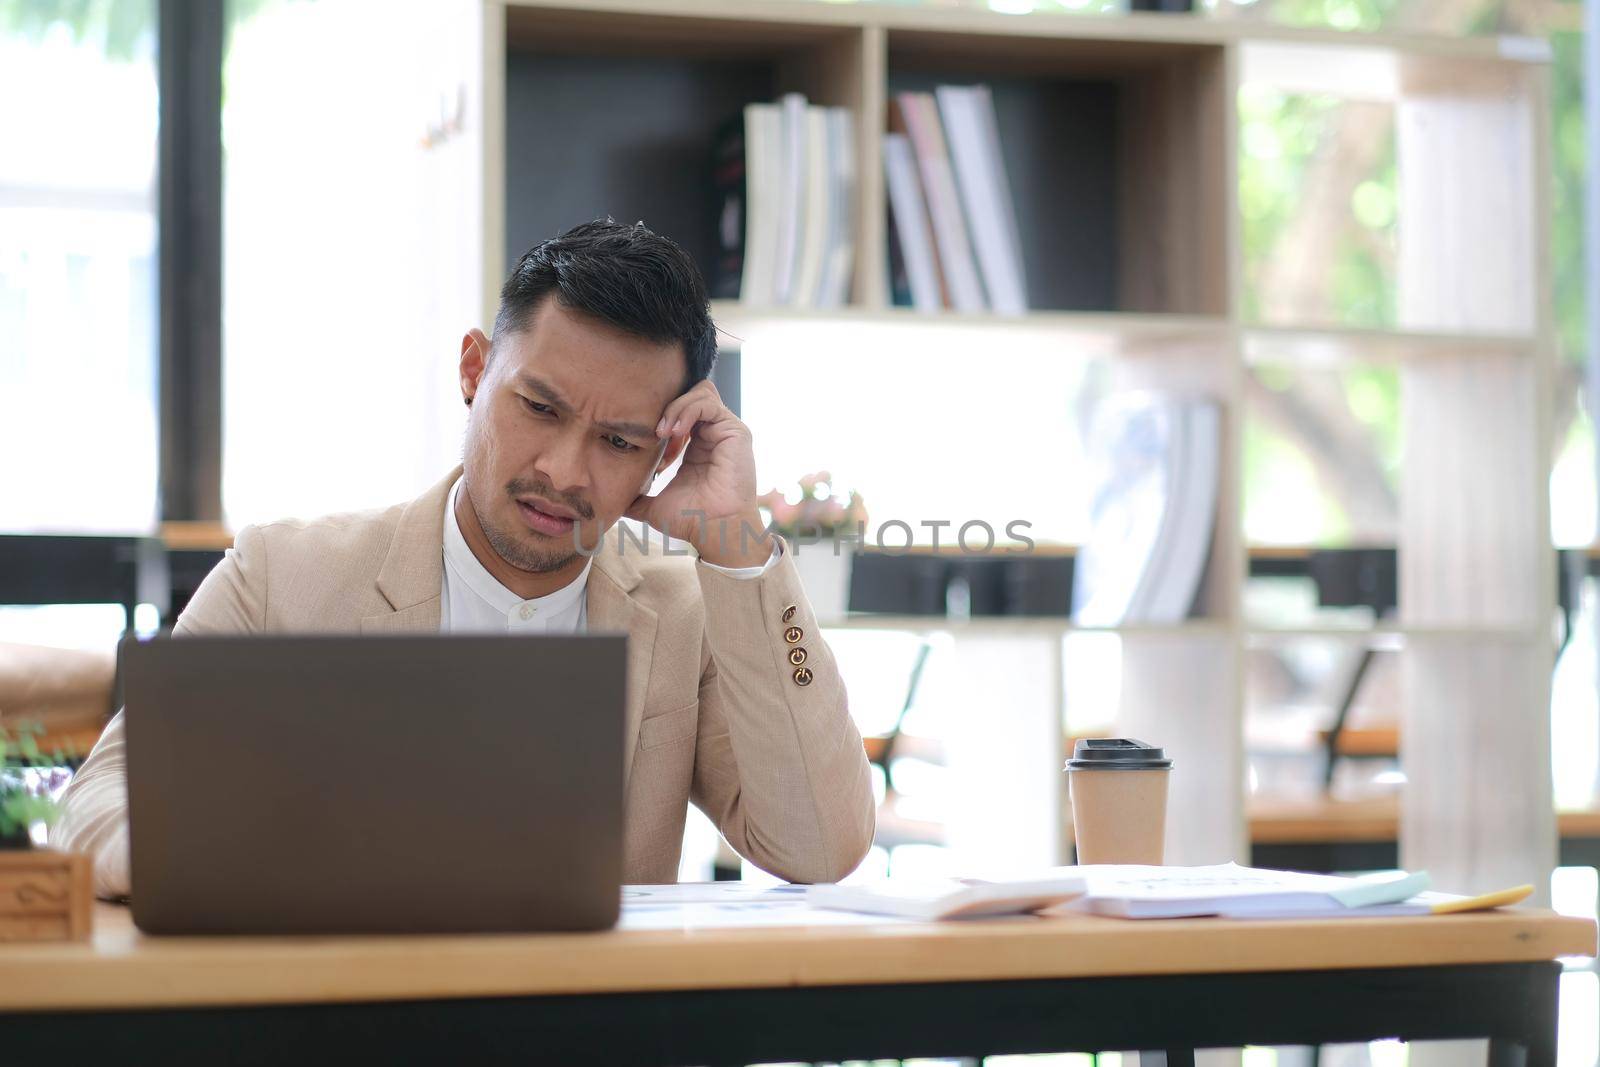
1358, 577
67, 692
883, 749
72, 693
44, 569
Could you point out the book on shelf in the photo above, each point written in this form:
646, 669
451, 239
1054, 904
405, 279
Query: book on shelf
958, 179
1156, 463
1176, 570
794, 142
839, 253
748, 220
814, 234
785, 177
972, 134
917, 115
896, 282
912, 231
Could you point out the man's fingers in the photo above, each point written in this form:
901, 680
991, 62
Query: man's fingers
701, 404
679, 422
675, 411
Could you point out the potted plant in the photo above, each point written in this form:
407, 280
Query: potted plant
824, 527
27, 781
44, 894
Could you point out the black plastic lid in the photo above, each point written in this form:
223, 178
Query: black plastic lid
1117, 754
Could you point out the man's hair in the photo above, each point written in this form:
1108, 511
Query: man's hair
628, 276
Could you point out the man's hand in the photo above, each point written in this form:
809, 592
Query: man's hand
711, 501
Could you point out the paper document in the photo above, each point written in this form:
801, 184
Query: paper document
713, 905
1236, 892
710, 893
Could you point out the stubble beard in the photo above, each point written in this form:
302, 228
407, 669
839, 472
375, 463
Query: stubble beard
520, 554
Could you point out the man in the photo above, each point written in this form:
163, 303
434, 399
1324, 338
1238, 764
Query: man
595, 382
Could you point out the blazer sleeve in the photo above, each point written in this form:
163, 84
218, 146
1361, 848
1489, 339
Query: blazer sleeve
94, 808
779, 764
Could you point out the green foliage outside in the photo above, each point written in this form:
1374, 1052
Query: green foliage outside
1281, 137
121, 28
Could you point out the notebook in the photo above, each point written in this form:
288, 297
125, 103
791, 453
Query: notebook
1234, 892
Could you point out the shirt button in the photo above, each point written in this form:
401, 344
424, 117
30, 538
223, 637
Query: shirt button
802, 676
788, 613
527, 612
793, 635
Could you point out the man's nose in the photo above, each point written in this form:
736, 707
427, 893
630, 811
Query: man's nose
563, 463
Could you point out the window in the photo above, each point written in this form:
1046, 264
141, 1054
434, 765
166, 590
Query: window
351, 250
78, 399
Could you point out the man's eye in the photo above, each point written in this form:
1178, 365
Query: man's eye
536, 407
621, 444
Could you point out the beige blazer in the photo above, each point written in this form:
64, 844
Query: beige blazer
715, 714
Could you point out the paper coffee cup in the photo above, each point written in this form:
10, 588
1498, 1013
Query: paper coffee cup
1119, 800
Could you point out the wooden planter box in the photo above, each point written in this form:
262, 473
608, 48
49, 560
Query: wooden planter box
45, 895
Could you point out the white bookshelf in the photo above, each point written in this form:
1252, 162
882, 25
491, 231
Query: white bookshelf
1473, 350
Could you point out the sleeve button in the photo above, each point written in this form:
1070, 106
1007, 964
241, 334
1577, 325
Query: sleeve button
793, 635
788, 612
797, 655
802, 676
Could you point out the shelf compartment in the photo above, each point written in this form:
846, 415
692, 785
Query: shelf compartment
1429, 162
1092, 131
618, 114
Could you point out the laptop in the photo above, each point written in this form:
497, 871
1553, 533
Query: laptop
431, 784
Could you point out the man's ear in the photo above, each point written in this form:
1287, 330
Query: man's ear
669, 455
474, 360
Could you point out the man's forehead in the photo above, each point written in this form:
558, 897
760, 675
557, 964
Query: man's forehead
578, 378
579, 351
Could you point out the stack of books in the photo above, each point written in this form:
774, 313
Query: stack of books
785, 177
1225, 890
953, 239
1230, 891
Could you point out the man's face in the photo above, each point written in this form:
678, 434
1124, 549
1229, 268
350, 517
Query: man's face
561, 432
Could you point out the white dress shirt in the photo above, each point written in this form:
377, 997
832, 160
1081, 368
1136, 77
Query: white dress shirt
474, 601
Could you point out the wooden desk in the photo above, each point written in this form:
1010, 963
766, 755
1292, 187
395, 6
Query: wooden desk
819, 993
1342, 835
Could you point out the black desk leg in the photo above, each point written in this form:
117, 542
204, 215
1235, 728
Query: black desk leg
1535, 1047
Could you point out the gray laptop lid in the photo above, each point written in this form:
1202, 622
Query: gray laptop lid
367, 784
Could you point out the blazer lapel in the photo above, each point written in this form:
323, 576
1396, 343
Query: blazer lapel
420, 618
412, 574
611, 609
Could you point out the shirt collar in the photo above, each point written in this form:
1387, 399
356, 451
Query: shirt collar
464, 565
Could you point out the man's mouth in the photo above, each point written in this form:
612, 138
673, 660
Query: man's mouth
546, 518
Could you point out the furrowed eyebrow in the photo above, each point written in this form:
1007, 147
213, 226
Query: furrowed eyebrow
545, 391
628, 429
554, 399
